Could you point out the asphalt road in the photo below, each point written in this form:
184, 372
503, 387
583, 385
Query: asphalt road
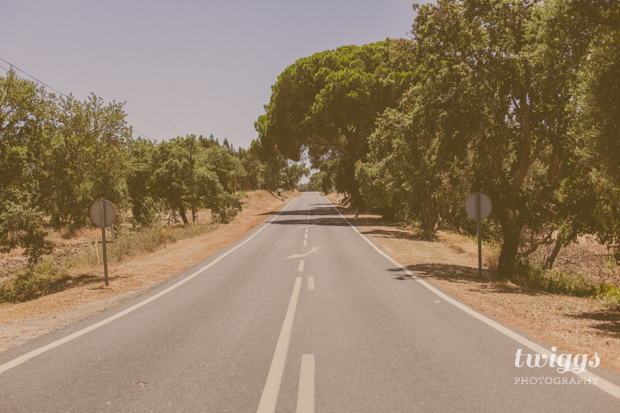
302, 315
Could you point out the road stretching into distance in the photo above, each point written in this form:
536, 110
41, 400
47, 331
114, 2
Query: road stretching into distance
304, 314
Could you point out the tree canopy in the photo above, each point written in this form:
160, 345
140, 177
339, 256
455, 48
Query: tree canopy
518, 100
327, 104
59, 155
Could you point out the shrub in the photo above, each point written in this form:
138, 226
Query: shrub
36, 281
535, 277
226, 208
125, 242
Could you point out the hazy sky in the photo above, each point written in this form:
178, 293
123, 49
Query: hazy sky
203, 67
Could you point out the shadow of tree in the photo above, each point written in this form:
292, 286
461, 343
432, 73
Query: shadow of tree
606, 320
460, 274
67, 283
394, 234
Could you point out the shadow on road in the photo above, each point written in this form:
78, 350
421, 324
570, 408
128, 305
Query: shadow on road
337, 222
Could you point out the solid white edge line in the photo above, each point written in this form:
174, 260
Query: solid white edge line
305, 395
605, 385
23, 358
269, 397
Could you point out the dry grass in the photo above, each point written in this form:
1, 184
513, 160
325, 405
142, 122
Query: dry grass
85, 294
576, 325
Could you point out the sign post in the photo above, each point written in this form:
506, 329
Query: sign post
103, 214
478, 207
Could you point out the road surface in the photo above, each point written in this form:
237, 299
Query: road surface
302, 315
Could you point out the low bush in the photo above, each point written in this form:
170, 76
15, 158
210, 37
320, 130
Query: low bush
557, 282
38, 280
126, 242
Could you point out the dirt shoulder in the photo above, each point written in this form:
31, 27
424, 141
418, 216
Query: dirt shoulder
575, 325
87, 295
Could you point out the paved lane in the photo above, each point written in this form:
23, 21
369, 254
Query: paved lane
303, 314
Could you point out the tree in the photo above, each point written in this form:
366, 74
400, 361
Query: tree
191, 171
88, 158
21, 225
25, 112
327, 103
517, 72
140, 180
291, 174
320, 181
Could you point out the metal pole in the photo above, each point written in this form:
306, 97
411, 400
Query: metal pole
479, 216
191, 182
105, 258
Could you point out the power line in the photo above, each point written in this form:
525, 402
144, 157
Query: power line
44, 84
217, 159
56, 90
2, 67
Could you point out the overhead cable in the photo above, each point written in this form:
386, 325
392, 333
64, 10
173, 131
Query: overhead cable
56, 90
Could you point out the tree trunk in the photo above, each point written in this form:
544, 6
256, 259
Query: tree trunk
508, 255
191, 184
182, 213
356, 198
429, 215
555, 249
388, 214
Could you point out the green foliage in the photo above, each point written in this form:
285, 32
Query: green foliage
88, 159
57, 156
518, 100
185, 173
557, 282
38, 280
320, 181
20, 225
327, 104
489, 114
291, 174
609, 293
226, 207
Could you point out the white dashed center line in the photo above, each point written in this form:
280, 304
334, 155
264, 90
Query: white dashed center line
305, 397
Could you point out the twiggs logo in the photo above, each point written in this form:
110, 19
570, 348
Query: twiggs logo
561, 362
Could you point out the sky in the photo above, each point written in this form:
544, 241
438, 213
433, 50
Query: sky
185, 66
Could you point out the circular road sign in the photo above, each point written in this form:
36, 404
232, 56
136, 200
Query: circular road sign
471, 206
96, 213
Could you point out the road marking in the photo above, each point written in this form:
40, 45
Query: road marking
605, 385
312, 251
22, 359
305, 396
269, 398
306, 236
306, 230
301, 266
305, 242
311, 283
